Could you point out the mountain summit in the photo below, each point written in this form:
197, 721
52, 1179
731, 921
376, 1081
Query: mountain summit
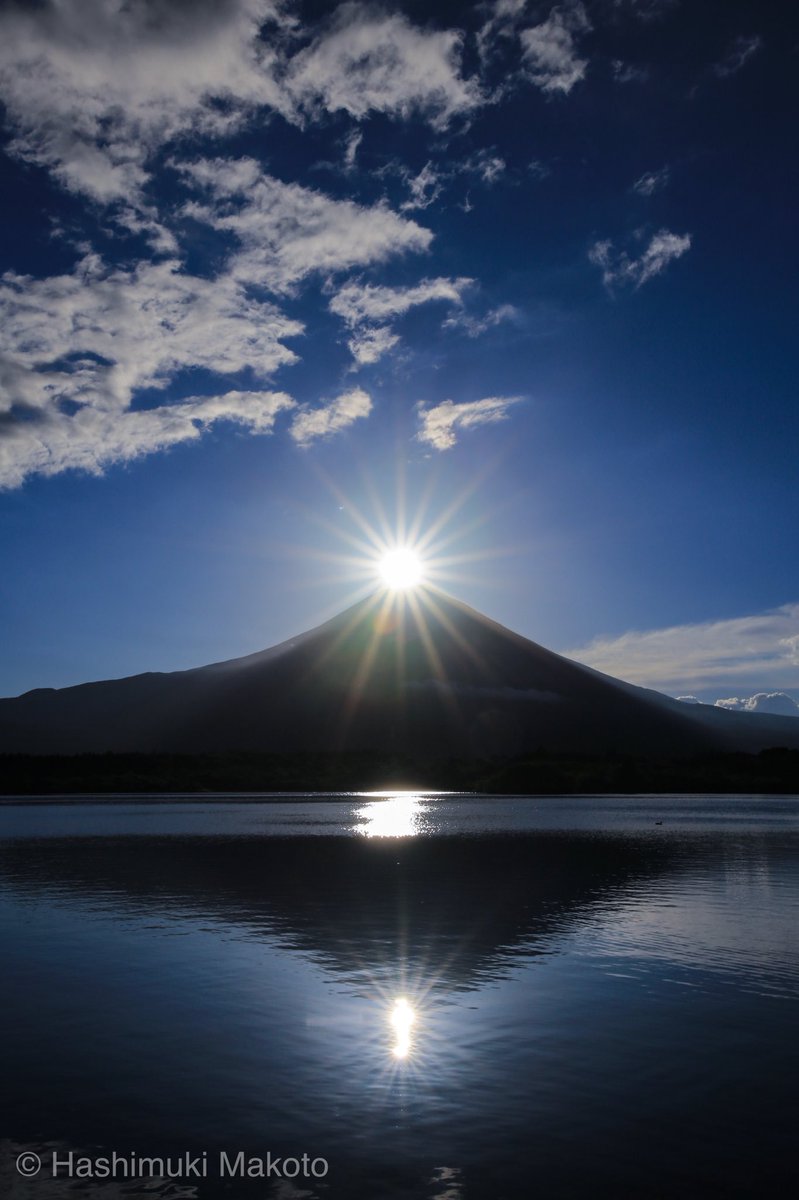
417, 673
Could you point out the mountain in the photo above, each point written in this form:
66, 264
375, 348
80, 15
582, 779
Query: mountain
416, 674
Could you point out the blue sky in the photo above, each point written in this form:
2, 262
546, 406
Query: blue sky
274, 274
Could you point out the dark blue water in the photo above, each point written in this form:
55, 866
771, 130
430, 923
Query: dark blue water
440, 997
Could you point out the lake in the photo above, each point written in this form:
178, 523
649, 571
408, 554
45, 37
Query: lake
401, 995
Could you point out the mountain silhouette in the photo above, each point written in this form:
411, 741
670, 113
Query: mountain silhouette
407, 673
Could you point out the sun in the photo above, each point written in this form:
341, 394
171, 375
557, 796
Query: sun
401, 568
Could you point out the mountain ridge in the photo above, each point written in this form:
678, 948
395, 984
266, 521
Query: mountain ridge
396, 673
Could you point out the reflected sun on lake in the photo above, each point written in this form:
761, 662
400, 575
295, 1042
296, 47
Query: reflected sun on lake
397, 815
402, 1020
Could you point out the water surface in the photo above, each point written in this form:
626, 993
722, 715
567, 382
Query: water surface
444, 997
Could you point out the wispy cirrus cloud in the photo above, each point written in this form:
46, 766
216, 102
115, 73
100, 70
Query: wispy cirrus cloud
424, 188
738, 54
312, 424
441, 424
758, 650
486, 164
651, 182
621, 269
427, 185
624, 72
476, 326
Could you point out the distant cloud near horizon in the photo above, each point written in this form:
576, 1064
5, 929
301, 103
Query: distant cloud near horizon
775, 703
742, 650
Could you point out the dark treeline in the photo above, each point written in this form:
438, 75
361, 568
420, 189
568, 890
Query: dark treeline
771, 771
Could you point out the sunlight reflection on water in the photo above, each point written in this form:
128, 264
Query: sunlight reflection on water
396, 816
402, 1019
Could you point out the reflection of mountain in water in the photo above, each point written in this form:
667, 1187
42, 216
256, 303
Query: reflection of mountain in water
425, 675
449, 911
122, 1035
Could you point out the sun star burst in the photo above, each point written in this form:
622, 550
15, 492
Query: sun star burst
401, 568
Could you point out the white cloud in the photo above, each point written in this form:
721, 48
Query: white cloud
618, 268
688, 699
549, 50
651, 182
745, 651
92, 87
738, 55
370, 60
351, 147
776, 703
369, 345
366, 308
310, 424
95, 438
427, 185
441, 424
504, 16
76, 349
424, 188
357, 302
287, 231
475, 326
486, 164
